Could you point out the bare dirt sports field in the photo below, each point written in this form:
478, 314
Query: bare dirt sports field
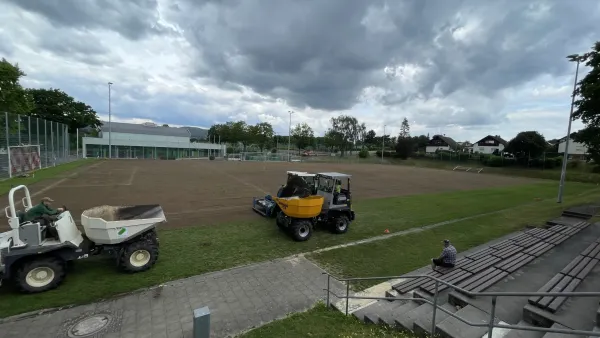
202, 192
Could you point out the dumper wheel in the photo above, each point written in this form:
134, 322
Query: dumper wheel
40, 275
139, 256
340, 225
281, 221
301, 230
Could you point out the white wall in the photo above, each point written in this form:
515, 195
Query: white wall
487, 149
153, 142
574, 148
144, 138
432, 149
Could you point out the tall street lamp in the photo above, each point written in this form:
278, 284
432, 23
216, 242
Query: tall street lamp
290, 136
573, 58
109, 124
383, 143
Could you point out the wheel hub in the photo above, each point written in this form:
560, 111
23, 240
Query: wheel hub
40, 277
139, 258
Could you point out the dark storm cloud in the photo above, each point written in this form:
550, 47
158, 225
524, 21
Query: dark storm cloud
133, 19
320, 54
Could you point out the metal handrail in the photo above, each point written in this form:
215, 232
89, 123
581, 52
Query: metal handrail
490, 324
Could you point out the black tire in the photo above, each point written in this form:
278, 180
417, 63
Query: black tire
50, 274
340, 224
131, 261
301, 230
281, 221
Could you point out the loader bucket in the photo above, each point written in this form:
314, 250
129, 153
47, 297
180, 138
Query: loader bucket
307, 207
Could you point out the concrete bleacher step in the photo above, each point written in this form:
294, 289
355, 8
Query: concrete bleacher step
422, 325
523, 333
407, 320
385, 312
454, 328
560, 335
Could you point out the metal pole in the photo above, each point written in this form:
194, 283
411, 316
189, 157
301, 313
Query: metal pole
29, 128
492, 315
8, 145
77, 135
563, 172
290, 138
109, 123
435, 301
383, 143
328, 278
347, 294
19, 128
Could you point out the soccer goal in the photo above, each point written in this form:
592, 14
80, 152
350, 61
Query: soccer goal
23, 160
234, 157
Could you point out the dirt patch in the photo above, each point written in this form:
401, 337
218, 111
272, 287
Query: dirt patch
202, 192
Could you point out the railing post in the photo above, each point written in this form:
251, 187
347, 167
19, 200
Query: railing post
328, 277
492, 315
347, 295
435, 300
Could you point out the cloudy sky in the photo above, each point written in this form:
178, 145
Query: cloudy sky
464, 68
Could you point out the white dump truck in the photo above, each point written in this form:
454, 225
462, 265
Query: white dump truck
35, 258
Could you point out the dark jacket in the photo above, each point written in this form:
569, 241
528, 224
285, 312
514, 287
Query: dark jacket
39, 211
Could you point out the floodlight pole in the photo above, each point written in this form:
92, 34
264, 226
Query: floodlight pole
563, 172
290, 136
109, 124
383, 143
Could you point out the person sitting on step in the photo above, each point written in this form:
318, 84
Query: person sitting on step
448, 257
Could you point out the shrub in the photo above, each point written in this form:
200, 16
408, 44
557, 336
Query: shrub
573, 164
550, 163
495, 161
274, 150
211, 157
363, 153
596, 169
386, 153
558, 160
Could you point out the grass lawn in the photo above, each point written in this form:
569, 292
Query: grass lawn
320, 322
402, 254
196, 250
43, 174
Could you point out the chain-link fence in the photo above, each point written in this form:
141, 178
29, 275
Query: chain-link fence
20, 132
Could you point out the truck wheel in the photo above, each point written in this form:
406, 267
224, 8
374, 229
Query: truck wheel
281, 221
139, 256
340, 225
40, 275
301, 230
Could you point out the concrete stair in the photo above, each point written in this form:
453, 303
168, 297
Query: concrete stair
523, 333
454, 328
406, 322
385, 312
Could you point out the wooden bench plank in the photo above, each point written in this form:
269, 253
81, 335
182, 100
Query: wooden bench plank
508, 251
570, 231
533, 300
571, 265
589, 249
596, 252
451, 277
556, 239
481, 264
519, 237
481, 253
539, 233
483, 280
539, 249
545, 301
579, 267
491, 281
557, 228
528, 242
558, 301
587, 269
583, 225
502, 244
407, 286
515, 262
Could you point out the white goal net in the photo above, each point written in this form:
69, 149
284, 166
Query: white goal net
23, 159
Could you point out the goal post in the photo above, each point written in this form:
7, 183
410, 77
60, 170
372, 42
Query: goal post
23, 159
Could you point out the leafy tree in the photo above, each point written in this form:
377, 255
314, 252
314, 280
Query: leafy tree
345, 130
527, 144
420, 142
333, 139
302, 135
369, 139
261, 134
57, 106
404, 144
587, 106
14, 98
239, 133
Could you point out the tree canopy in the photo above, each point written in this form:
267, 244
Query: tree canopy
587, 104
13, 97
527, 144
302, 135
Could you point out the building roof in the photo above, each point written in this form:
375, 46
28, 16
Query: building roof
497, 138
197, 133
449, 141
144, 129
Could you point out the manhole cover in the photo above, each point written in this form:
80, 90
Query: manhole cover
90, 325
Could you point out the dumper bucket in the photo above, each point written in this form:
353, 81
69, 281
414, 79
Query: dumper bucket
295, 207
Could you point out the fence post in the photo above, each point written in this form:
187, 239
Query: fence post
347, 295
328, 278
29, 128
492, 315
8, 145
19, 128
435, 301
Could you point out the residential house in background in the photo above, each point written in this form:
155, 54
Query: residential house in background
489, 144
576, 150
440, 142
465, 147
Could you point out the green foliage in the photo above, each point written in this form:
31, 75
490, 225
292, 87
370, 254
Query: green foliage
13, 97
363, 153
302, 135
495, 161
386, 153
530, 144
587, 106
56, 105
211, 157
261, 134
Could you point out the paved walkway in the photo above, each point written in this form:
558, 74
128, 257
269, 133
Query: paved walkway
238, 299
